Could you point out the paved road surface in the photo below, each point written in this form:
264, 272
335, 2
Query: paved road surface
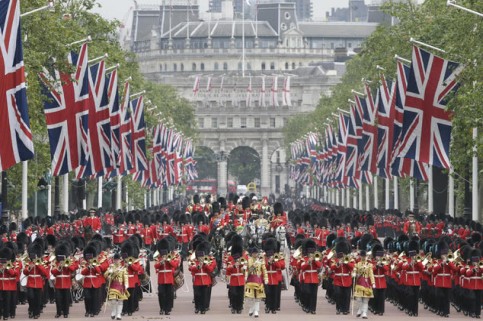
184, 309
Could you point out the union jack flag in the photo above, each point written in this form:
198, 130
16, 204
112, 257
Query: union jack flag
115, 117
99, 157
138, 135
368, 146
403, 166
66, 113
16, 143
427, 124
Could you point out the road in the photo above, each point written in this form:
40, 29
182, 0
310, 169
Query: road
184, 309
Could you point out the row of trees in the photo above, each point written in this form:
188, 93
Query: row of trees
459, 33
46, 36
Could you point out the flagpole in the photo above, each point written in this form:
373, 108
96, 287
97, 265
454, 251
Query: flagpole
65, 191
24, 189
376, 193
475, 177
49, 197
411, 194
118, 193
354, 196
343, 203
387, 183
451, 192
99, 192
368, 198
430, 190
84, 200
396, 192
360, 197
348, 198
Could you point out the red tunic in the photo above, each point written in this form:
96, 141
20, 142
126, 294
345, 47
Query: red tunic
36, 276
202, 272
165, 270
8, 279
63, 275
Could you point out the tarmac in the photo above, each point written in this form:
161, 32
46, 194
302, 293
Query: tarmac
219, 311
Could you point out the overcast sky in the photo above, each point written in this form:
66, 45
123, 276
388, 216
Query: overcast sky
119, 8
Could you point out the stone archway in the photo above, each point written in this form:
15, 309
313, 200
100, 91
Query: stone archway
244, 165
206, 162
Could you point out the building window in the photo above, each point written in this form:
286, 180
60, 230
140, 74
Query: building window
240, 66
285, 120
216, 66
214, 122
257, 122
349, 44
277, 184
202, 66
201, 122
229, 122
243, 122
286, 66
175, 67
272, 66
272, 122
165, 67
249, 66
181, 67
160, 67
263, 66
193, 67
293, 65
225, 66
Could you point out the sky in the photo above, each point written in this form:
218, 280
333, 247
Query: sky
118, 9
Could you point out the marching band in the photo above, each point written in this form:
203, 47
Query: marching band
258, 250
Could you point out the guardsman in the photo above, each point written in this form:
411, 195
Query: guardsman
166, 264
201, 269
64, 267
130, 254
411, 270
9, 272
93, 221
236, 272
342, 267
91, 270
380, 268
274, 264
309, 267
36, 273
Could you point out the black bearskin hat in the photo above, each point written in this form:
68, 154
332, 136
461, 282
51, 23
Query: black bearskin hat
165, 219
441, 248
236, 251
246, 202
377, 250
196, 199
413, 248
203, 249
62, 250
182, 219
278, 208
215, 207
270, 246
128, 249
342, 247
330, 239
309, 246
163, 246
222, 202
6, 253
364, 241
12, 227
90, 252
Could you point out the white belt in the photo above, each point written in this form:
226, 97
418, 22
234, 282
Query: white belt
63, 276
130, 276
201, 273
443, 274
379, 276
271, 271
90, 276
5, 279
236, 274
34, 276
341, 274
308, 271
412, 272
165, 271
474, 277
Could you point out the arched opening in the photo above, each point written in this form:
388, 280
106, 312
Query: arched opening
244, 165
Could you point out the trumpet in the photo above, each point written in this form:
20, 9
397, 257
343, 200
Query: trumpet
67, 262
38, 261
156, 254
168, 257
383, 261
277, 257
242, 261
130, 260
93, 262
316, 256
347, 259
206, 260
7, 266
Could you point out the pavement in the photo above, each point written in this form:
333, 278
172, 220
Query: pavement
219, 311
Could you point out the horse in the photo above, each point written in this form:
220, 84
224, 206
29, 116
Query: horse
281, 236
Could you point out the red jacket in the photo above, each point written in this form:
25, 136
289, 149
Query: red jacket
92, 277
380, 273
94, 222
63, 276
471, 278
119, 235
8, 279
134, 271
36, 276
202, 272
442, 274
411, 273
309, 270
166, 270
236, 273
342, 274
274, 271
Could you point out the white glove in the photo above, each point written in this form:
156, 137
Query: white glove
374, 286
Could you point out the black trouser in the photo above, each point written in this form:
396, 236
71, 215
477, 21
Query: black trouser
6, 298
129, 305
236, 294
201, 293
13, 303
343, 298
34, 296
279, 296
165, 297
442, 300
271, 297
413, 299
378, 300
309, 291
92, 300
475, 307
62, 301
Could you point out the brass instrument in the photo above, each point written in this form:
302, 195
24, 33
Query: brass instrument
207, 260
427, 258
277, 257
38, 261
130, 260
242, 261
317, 256
418, 258
346, 259
383, 261
6, 266
93, 262
401, 255
67, 262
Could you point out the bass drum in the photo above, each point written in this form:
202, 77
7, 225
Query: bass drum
178, 281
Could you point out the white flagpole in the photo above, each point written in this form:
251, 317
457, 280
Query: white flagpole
368, 198
361, 192
411, 194
396, 192
343, 202
24, 189
388, 191
118, 193
49, 199
65, 188
337, 199
475, 177
348, 198
451, 192
354, 196
376, 193
99, 192
430, 190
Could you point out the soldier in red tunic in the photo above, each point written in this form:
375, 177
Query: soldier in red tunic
36, 273
236, 272
62, 270
342, 267
92, 282
130, 254
274, 264
166, 265
9, 272
380, 268
201, 269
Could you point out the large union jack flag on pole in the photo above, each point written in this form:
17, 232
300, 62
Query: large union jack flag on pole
138, 136
66, 113
427, 123
16, 140
125, 130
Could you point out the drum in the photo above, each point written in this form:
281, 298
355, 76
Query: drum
178, 281
79, 278
23, 279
